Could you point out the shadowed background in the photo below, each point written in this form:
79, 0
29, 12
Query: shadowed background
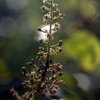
80, 32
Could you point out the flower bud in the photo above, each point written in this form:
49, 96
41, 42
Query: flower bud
30, 63
60, 43
24, 70
43, 8
39, 29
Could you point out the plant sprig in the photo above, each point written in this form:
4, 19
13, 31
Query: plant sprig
42, 78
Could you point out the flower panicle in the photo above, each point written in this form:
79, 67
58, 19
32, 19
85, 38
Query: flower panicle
44, 71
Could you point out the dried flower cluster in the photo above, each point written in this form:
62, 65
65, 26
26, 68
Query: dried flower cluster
43, 75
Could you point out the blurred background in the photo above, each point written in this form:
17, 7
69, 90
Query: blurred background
80, 32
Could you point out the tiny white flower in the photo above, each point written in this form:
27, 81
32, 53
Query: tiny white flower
44, 1
42, 35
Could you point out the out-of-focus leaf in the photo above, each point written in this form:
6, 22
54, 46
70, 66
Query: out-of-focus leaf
87, 8
83, 47
73, 98
4, 72
69, 4
69, 80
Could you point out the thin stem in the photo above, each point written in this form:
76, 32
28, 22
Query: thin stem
48, 46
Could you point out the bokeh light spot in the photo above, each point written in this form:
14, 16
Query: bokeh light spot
16, 4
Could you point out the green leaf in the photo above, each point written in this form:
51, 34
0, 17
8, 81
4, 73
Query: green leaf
83, 47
